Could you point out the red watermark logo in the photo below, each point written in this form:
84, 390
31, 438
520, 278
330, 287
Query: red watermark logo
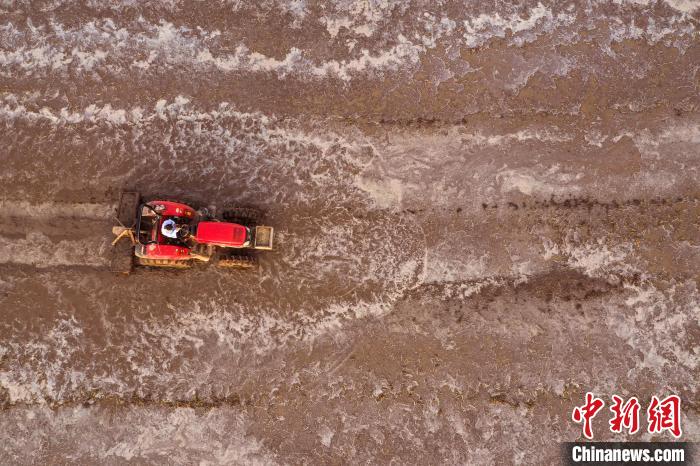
662, 415
625, 415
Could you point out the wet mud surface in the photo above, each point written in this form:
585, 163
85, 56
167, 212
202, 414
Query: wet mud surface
482, 212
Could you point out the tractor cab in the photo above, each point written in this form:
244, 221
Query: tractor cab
149, 236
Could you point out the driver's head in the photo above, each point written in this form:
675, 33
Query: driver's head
169, 226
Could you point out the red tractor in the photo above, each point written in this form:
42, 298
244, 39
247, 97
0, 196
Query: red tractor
172, 234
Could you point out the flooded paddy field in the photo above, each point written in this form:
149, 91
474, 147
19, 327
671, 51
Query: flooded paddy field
482, 212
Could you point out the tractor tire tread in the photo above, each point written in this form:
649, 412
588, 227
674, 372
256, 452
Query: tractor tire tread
238, 262
179, 264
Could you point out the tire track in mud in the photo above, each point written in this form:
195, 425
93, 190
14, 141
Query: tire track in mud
55, 234
589, 203
655, 238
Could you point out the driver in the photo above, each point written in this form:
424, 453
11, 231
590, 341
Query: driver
170, 228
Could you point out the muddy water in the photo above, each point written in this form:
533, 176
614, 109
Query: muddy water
483, 211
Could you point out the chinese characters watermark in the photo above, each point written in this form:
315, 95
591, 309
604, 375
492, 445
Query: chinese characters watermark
662, 415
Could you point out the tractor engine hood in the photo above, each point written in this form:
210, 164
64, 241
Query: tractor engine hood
222, 234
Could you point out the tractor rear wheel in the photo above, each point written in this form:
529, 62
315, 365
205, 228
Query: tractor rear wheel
181, 264
238, 262
243, 216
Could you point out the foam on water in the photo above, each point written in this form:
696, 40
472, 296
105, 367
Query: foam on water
137, 434
553, 134
396, 175
446, 265
294, 63
683, 6
533, 182
47, 210
55, 350
23, 107
82, 49
648, 142
663, 337
480, 29
117, 48
38, 250
595, 259
218, 145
